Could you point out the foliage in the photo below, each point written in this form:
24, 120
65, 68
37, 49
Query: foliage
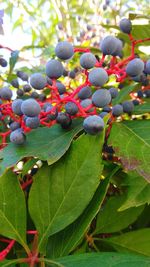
68, 198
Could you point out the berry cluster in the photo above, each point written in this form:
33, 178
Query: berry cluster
61, 103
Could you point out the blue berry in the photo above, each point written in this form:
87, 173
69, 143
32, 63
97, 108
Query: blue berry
98, 77
20, 92
71, 108
30, 108
61, 87
64, 119
128, 106
117, 110
147, 67
5, 93
64, 50
15, 83
103, 114
93, 124
26, 88
53, 115
135, 67
72, 74
87, 60
54, 69
22, 75
3, 62
17, 137
32, 122
86, 103
113, 92
38, 81
125, 25
101, 98
14, 125
16, 106
109, 45
85, 92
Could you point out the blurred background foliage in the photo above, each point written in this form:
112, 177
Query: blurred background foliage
37, 25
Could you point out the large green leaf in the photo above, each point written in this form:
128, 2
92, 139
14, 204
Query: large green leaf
141, 109
105, 259
111, 220
135, 241
11, 263
130, 140
63, 242
138, 190
61, 191
12, 208
44, 143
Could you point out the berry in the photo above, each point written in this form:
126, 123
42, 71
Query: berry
135, 102
34, 95
103, 114
98, 77
65, 73
20, 92
38, 81
16, 106
109, 45
30, 108
113, 92
15, 83
42, 97
64, 50
125, 25
54, 69
140, 94
14, 125
46, 104
89, 27
49, 81
53, 115
17, 137
61, 88
71, 108
135, 67
86, 103
93, 124
85, 92
117, 110
72, 74
147, 67
128, 106
5, 93
3, 62
107, 109
26, 88
87, 60
101, 98
32, 122
64, 119
22, 75
118, 50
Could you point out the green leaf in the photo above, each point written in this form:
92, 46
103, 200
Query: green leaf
141, 109
12, 208
111, 220
65, 241
130, 140
135, 195
13, 59
61, 191
44, 143
28, 166
104, 259
135, 241
124, 93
